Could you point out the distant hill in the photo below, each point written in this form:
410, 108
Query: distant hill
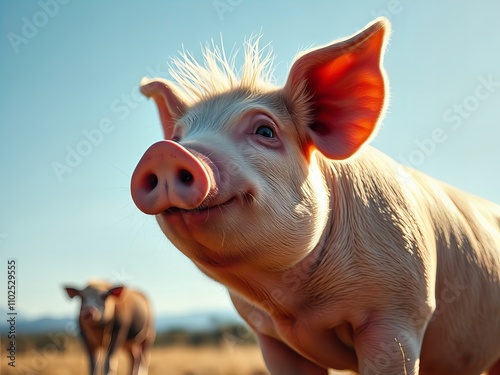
195, 321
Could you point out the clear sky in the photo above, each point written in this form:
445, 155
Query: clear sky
70, 71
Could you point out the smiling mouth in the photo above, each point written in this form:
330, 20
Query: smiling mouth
199, 209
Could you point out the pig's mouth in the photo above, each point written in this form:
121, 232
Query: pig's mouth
210, 205
201, 208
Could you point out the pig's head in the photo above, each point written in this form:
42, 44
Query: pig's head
243, 173
97, 301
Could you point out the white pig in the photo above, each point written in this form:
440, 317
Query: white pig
334, 254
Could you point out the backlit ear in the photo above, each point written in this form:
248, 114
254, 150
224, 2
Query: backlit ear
72, 292
169, 102
346, 87
116, 291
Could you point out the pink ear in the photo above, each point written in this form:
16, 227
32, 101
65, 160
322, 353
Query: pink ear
170, 105
116, 291
72, 292
345, 84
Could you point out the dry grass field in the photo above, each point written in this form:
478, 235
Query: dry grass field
176, 360
173, 360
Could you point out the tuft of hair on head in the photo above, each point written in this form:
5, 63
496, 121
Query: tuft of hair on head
218, 73
99, 284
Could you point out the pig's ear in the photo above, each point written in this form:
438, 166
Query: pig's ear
72, 292
169, 102
344, 83
115, 291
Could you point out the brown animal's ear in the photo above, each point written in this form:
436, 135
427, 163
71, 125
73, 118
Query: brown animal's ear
345, 84
168, 100
115, 291
72, 292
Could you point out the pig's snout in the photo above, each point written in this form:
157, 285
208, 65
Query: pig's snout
88, 314
169, 176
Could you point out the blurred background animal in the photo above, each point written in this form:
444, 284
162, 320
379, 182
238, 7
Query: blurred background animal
114, 317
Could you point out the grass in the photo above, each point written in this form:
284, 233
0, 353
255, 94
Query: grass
172, 360
175, 360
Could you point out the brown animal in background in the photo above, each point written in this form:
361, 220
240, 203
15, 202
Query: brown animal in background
112, 318
336, 255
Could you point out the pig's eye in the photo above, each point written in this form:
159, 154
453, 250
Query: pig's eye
265, 131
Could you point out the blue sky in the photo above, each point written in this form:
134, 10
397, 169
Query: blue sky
70, 71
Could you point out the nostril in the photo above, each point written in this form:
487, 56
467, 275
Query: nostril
185, 177
151, 181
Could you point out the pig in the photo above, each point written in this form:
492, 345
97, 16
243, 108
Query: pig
114, 317
335, 255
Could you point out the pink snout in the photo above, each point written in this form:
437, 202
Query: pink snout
168, 176
88, 314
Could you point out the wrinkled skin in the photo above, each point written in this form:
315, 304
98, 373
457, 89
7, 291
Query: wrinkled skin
111, 318
334, 254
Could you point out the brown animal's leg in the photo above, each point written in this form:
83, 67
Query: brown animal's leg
105, 363
91, 352
91, 363
135, 356
115, 342
495, 370
101, 362
112, 365
145, 358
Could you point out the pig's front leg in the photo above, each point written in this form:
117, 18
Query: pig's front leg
281, 359
382, 349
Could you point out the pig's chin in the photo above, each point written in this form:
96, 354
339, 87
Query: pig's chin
198, 230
